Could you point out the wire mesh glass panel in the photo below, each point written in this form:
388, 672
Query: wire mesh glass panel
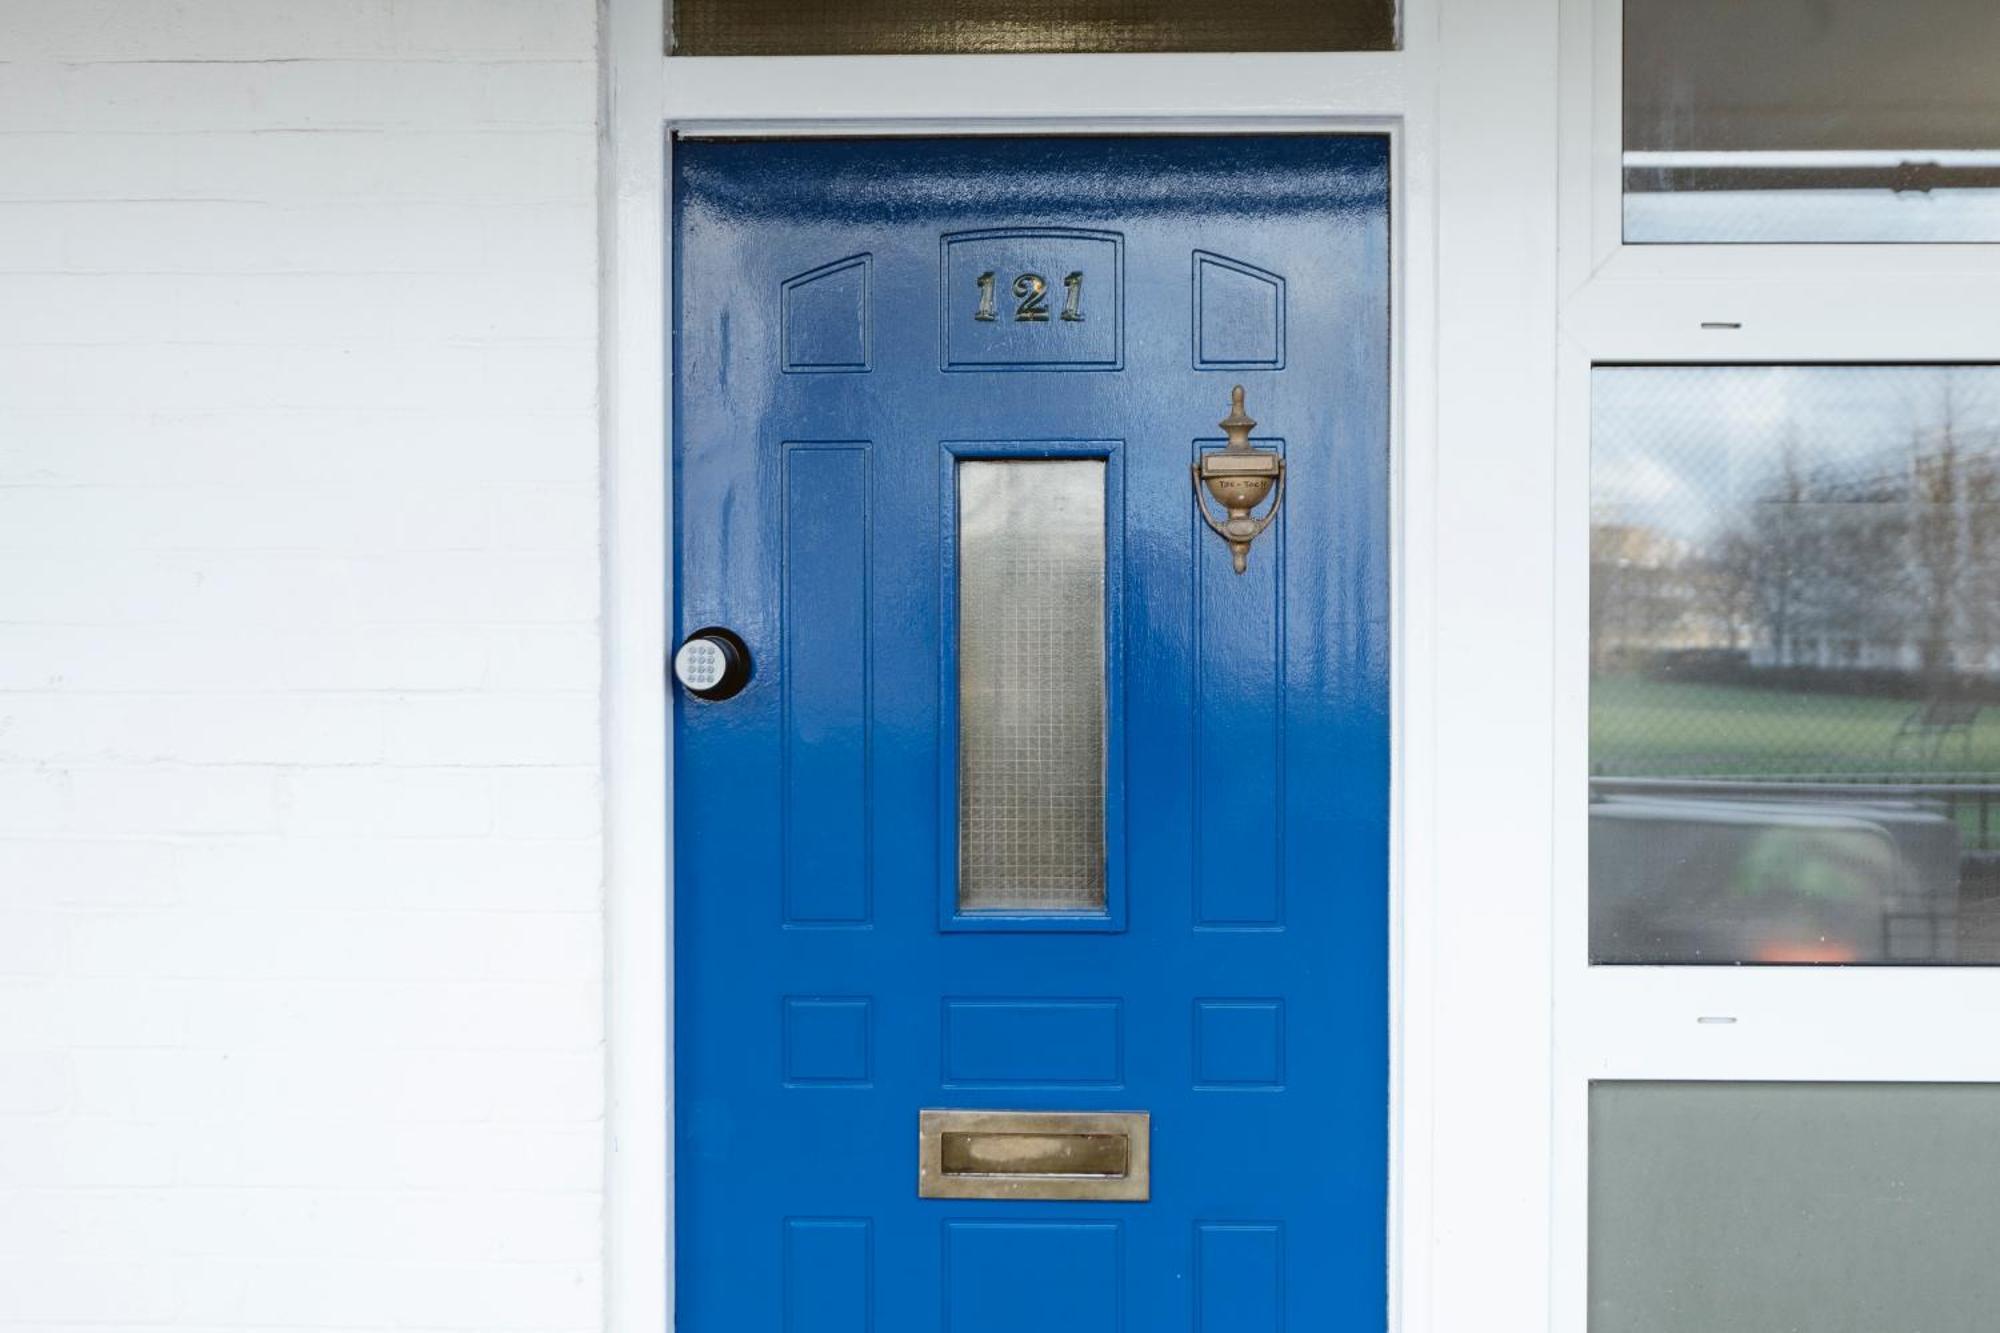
1812, 120
943, 27
1031, 687
1795, 664
1759, 1207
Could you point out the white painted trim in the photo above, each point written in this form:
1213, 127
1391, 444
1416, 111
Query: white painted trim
1413, 1039
638, 1292
1591, 136
1021, 92
1472, 97
946, 125
1569, 1199
1883, 1024
1741, 158
1491, 705
1866, 316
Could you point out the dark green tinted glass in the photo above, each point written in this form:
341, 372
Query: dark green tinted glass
962, 27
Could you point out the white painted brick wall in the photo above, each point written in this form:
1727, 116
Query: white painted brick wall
300, 931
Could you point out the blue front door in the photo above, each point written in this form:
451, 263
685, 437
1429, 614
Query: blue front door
1032, 802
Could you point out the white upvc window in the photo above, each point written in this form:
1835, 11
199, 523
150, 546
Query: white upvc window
1772, 457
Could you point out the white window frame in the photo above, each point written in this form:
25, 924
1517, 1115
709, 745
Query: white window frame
1471, 106
1719, 304
1594, 253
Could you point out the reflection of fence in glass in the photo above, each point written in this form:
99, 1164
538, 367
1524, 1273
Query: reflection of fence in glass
1795, 654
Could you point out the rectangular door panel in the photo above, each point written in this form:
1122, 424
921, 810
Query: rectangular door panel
824, 678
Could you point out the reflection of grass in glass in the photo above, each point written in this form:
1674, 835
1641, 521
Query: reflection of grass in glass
1650, 728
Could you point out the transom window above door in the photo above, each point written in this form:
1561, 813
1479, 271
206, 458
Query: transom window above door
998, 27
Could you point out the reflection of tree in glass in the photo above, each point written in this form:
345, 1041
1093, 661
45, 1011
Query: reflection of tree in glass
1795, 620
1885, 563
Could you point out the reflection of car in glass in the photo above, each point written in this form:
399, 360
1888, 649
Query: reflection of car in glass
1726, 873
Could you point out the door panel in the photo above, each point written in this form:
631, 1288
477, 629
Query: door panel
1032, 802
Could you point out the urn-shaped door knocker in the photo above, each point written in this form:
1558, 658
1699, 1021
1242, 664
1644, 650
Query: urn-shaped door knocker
1239, 478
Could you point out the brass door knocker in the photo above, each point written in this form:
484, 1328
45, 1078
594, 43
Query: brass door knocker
1239, 478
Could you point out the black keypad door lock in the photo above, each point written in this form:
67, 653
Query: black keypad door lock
712, 663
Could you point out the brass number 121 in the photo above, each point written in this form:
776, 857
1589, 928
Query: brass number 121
1031, 289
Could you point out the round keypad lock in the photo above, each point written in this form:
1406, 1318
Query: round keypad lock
712, 664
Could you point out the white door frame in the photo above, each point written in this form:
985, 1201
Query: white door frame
1470, 104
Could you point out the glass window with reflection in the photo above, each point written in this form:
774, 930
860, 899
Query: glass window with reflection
1812, 120
1795, 664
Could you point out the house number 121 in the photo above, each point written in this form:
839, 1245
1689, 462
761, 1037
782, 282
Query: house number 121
1031, 291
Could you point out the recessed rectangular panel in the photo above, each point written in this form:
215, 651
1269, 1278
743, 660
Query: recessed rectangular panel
1239, 728
1034, 1277
1033, 1043
1239, 1277
827, 314
1754, 1207
1031, 685
1038, 298
997, 27
829, 1041
828, 1278
1239, 315
825, 684
1239, 1044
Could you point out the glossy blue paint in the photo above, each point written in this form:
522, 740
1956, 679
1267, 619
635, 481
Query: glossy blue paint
832, 368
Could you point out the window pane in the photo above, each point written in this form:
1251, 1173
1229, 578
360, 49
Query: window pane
916, 27
1031, 685
1760, 1207
1795, 664
1812, 120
